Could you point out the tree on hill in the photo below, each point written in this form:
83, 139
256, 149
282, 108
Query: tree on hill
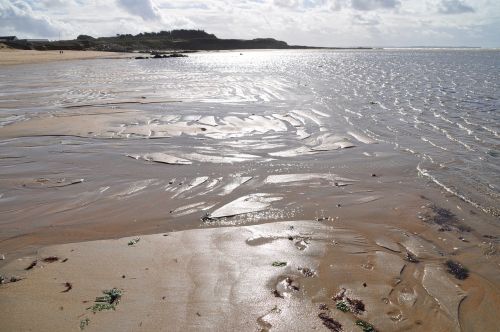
84, 37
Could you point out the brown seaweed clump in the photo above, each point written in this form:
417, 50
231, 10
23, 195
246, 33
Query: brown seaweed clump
346, 304
330, 323
51, 259
458, 270
444, 218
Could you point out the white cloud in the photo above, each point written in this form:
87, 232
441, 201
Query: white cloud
298, 22
146, 9
18, 16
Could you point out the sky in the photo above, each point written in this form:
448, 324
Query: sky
343, 23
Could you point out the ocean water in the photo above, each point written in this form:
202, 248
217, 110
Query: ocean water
439, 105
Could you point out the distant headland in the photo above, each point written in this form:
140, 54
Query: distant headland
176, 40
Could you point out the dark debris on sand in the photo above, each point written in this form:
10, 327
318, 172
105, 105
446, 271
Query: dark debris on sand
330, 323
32, 265
323, 306
307, 272
277, 294
50, 259
68, 286
456, 269
6, 280
444, 218
410, 257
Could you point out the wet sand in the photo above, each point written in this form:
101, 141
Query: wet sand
210, 215
224, 279
19, 57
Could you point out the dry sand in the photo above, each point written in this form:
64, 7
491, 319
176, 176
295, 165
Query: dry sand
19, 57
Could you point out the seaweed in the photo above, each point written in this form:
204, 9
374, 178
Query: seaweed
456, 269
342, 306
346, 304
340, 295
356, 306
109, 301
32, 265
278, 264
445, 219
84, 323
330, 323
323, 306
5, 280
365, 326
68, 286
101, 307
50, 259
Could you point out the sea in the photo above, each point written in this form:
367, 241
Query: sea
439, 105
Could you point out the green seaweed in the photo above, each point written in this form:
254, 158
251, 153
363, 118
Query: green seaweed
101, 307
84, 323
342, 306
109, 301
279, 264
365, 326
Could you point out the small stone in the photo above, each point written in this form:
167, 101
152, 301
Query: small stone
374, 175
2, 257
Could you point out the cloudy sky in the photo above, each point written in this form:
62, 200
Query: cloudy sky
304, 22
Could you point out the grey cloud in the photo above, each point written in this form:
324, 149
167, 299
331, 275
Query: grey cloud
300, 4
146, 9
18, 16
455, 7
287, 3
363, 20
374, 4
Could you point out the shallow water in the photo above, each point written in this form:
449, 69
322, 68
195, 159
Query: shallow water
440, 105
149, 145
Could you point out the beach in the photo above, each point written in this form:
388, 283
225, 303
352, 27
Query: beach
254, 190
18, 57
